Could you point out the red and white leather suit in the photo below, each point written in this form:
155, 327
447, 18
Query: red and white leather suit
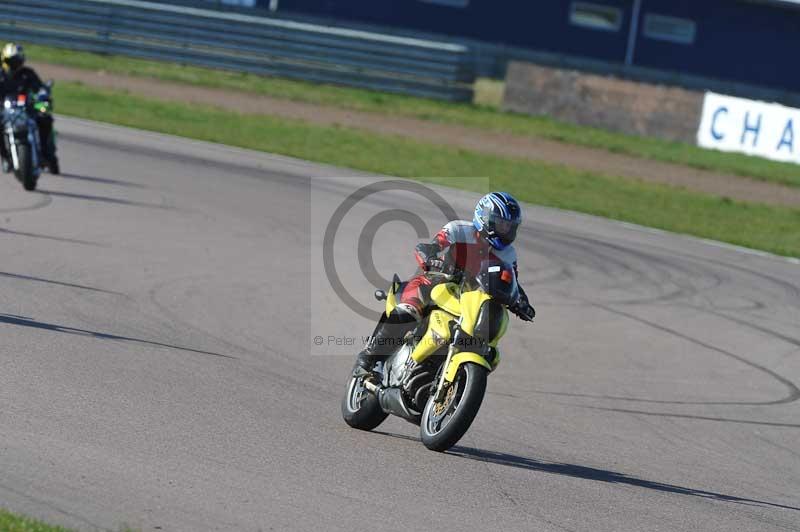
461, 245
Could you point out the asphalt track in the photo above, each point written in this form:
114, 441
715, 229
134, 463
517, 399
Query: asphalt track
159, 303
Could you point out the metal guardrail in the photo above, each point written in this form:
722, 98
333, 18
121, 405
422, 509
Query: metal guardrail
240, 42
492, 59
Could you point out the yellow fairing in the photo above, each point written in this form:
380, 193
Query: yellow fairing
451, 304
446, 297
437, 335
503, 328
464, 358
470, 309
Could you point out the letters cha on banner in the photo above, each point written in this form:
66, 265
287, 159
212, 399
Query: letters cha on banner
756, 128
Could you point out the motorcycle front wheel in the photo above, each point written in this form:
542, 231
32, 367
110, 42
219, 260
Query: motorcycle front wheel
360, 408
444, 423
25, 171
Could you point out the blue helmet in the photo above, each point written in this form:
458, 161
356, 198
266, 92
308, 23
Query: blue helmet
497, 217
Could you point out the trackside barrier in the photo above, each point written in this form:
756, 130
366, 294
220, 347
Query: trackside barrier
245, 43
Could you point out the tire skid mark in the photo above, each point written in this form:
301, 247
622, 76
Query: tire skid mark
39, 204
670, 428
769, 332
176, 319
309, 382
675, 259
26, 234
750, 305
687, 416
674, 279
589, 251
778, 445
794, 391
24, 321
604, 475
791, 288
21, 277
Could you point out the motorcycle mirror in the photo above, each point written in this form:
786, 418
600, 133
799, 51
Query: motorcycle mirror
380, 295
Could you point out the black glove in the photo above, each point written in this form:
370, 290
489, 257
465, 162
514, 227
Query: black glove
427, 256
435, 265
523, 309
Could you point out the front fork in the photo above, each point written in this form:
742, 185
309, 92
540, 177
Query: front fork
441, 387
33, 142
11, 148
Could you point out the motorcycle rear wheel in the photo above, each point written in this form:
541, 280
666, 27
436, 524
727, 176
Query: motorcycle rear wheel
360, 409
444, 423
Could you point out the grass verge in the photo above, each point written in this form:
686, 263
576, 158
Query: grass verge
10, 522
16, 523
774, 229
486, 117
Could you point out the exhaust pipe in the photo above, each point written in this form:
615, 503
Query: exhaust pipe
391, 401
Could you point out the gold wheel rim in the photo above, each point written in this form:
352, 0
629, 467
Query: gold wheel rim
439, 408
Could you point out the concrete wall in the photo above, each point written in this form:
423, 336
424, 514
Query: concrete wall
604, 101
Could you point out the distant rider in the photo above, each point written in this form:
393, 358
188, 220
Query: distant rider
20, 79
460, 246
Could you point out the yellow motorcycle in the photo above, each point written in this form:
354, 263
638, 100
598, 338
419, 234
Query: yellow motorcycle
437, 377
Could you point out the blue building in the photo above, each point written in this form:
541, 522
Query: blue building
734, 41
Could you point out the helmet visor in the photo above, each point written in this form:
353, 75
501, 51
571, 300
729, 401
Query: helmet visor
505, 230
14, 62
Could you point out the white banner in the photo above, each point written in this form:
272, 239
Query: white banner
751, 127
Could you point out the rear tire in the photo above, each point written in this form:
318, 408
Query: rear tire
443, 424
25, 171
360, 408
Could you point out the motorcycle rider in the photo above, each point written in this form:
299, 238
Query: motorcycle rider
460, 246
20, 79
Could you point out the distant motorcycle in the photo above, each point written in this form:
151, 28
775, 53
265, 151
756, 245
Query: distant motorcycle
21, 136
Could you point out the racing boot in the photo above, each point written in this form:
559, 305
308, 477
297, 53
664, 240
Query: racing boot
52, 165
47, 138
50, 156
385, 340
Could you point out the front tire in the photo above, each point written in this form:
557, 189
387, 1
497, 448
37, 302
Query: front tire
443, 424
25, 171
360, 409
